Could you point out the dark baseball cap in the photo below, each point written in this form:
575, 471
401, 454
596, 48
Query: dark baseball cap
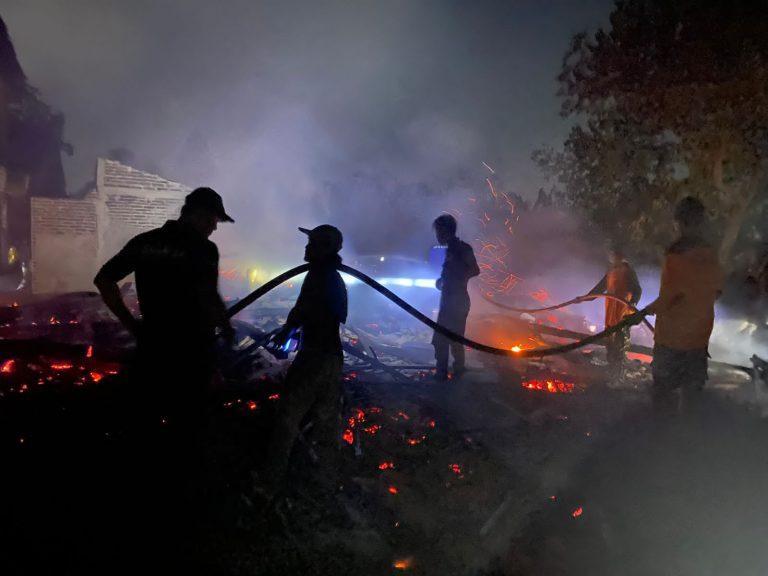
209, 200
325, 235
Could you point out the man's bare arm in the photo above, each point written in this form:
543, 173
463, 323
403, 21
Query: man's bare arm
110, 293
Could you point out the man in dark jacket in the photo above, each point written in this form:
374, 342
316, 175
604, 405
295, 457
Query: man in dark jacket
313, 383
458, 267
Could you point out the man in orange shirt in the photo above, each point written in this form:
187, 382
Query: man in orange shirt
691, 282
620, 281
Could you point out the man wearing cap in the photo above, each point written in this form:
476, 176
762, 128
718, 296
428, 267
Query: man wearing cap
313, 383
176, 269
176, 273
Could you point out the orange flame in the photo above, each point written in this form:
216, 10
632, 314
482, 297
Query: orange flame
348, 436
402, 564
8, 366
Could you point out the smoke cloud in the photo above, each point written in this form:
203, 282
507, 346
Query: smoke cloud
364, 114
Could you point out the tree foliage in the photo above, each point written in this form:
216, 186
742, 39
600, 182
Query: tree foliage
672, 99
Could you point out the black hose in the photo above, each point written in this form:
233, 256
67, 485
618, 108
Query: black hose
577, 300
241, 305
533, 353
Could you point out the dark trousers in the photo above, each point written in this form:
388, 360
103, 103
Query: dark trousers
455, 319
616, 346
685, 370
312, 389
166, 413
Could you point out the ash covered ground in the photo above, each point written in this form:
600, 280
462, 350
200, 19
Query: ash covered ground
492, 474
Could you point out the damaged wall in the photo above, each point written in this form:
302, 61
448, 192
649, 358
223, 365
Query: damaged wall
72, 238
64, 244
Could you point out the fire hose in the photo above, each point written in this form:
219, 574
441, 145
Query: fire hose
572, 301
526, 353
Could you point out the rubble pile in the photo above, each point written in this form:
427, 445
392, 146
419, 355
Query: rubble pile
434, 478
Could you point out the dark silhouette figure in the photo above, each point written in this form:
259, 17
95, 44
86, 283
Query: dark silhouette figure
459, 266
313, 384
176, 269
165, 411
691, 282
620, 281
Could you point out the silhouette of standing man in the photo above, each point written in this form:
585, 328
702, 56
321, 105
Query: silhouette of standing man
458, 267
176, 269
620, 281
313, 383
691, 283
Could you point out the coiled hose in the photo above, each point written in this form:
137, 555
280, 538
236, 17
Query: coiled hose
529, 353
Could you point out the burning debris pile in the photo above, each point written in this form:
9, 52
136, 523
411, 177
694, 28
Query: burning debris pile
425, 479
426, 470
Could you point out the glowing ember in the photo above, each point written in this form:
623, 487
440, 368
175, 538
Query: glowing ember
403, 564
392, 490
8, 366
644, 358
61, 366
348, 436
540, 295
455, 468
372, 429
578, 512
89, 354
432, 424
252, 405
552, 386
275, 397
21, 440
386, 466
415, 441
95, 376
